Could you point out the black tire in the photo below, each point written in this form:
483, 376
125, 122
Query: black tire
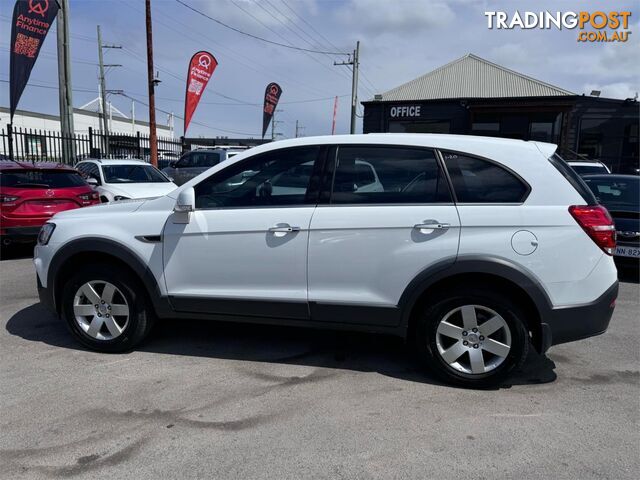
425, 335
141, 318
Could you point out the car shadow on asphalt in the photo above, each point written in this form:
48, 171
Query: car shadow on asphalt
629, 273
17, 251
360, 352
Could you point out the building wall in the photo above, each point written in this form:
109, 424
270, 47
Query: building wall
82, 121
597, 128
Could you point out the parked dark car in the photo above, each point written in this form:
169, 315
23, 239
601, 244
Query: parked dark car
621, 195
193, 163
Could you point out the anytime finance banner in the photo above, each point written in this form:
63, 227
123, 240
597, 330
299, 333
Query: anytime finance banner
271, 97
29, 27
201, 68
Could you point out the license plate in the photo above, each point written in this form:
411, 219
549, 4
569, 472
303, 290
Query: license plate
627, 252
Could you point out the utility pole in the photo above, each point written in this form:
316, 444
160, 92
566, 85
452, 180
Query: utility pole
273, 125
153, 138
104, 91
354, 61
64, 84
103, 96
299, 129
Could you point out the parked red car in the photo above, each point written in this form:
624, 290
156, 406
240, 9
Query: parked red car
30, 194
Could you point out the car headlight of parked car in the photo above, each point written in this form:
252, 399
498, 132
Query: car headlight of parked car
45, 233
120, 197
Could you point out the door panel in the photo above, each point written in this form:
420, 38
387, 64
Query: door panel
244, 249
369, 254
368, 244
231, 254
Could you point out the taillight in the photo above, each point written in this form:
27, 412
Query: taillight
7, 198
86, 197
597, 223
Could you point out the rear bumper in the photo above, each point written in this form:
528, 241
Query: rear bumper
568, 324
18, 234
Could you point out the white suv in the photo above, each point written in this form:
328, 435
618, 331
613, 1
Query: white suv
125, 179
473, 249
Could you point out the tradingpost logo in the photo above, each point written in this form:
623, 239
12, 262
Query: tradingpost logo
595, 26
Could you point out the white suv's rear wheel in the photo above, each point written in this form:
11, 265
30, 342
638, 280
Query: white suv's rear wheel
105, 308
472, 337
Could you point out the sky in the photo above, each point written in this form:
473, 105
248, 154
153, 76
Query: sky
399, 39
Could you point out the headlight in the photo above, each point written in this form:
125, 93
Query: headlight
120, 197
45, 233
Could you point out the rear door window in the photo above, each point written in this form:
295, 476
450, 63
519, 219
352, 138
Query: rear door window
476, 180
387, 175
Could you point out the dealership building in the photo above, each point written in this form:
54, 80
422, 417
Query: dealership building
473, 96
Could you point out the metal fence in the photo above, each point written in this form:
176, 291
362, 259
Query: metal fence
40, 145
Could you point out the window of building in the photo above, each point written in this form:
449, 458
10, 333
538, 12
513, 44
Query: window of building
480, 181
432, 126
486, 124
388, 175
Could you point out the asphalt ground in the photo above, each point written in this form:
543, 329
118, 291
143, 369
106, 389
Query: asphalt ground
217, 401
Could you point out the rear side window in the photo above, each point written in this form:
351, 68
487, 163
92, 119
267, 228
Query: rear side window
388, 175
573, 178
480, 181
41, 179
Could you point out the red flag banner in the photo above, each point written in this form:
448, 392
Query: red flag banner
29, 27
335, 111
271, 97
201, 68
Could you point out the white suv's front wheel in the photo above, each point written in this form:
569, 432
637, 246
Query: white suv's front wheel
105, 308
473, 337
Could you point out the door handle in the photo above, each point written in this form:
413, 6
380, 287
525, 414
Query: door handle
432, 226
284, 228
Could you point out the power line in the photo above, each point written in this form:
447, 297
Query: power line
278, 34
51, 87
233, 55
284, 45
292, 102
309, 25
182, 118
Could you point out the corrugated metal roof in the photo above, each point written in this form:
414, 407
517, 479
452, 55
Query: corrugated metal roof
472, 77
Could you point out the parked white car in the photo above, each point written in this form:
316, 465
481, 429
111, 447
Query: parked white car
125, 179
472, 249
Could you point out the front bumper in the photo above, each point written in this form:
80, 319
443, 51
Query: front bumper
568, 324
46, 296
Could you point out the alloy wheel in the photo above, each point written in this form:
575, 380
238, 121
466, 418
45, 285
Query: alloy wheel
101, 310
473, 339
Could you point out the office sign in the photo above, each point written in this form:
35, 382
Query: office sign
405, 111
29, 27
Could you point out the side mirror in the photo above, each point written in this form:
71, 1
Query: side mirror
186, 201
92, 181
173, 164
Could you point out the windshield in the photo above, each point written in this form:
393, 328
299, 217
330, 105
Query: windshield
589, 169
41, 179
616, 193
132, 174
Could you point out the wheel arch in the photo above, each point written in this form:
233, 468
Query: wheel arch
496, 272
78, 252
